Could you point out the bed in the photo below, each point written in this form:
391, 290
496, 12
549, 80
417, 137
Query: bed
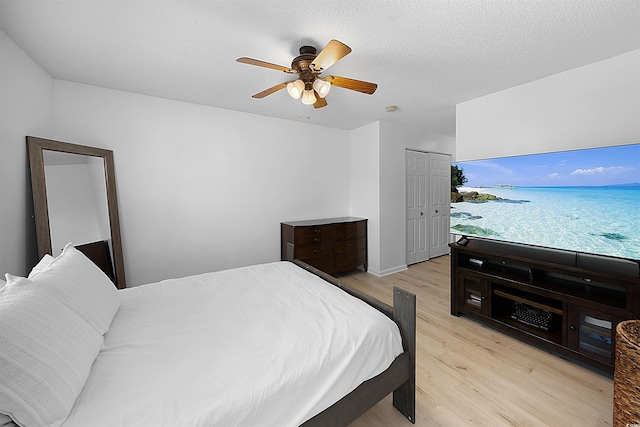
278, 344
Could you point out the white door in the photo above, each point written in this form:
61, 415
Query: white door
440, 202
417, 171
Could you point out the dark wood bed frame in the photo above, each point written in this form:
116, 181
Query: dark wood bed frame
399, 378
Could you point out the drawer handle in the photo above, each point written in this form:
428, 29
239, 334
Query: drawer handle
315, 251
317, 240
317, 231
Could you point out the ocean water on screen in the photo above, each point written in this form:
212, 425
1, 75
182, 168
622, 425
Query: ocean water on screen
601, 220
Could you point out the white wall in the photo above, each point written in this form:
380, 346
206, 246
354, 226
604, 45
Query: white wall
378, 190
365, 186
26, 108
202, 188
394, 140
592, 106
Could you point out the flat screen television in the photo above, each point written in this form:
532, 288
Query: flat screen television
586, 201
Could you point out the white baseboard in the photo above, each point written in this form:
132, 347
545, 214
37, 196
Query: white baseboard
388, 271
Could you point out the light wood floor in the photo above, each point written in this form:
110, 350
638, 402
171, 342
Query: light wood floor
469, 374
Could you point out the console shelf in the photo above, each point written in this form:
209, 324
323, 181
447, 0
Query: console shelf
566, 301
528, 300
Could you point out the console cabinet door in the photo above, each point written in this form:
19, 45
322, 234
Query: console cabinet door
592, 333
472, 294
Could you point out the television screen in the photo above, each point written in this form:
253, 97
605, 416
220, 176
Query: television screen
582, 200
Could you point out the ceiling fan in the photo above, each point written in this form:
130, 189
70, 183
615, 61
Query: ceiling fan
309, 85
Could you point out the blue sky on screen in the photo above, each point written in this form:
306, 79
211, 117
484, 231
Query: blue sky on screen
597, 166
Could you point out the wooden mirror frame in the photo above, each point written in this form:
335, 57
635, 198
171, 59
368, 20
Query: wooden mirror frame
36, 147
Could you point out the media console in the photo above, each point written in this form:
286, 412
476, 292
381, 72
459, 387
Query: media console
566, 301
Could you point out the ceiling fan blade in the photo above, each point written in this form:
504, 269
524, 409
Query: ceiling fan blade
320, 102
332, 53
272, 89
259, 63
357, 85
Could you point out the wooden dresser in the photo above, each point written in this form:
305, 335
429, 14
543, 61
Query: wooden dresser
332, 245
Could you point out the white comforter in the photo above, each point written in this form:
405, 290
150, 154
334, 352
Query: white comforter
265, 345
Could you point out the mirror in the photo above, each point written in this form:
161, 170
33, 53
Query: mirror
74, 198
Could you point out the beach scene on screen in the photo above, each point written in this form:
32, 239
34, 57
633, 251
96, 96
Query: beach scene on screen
581, 200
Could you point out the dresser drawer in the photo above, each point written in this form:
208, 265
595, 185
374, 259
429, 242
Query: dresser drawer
351, 260
332, 245
349, 246
314, 234
314, 251
351, 230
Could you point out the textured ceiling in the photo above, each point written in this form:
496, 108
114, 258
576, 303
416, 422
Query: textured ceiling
426, 56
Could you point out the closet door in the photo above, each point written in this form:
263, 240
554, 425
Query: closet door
440, 204
417, 172
428, 199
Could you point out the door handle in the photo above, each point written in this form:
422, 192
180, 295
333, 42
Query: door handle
421, 213
436, 210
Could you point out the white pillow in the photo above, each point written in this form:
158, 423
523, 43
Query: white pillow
46, 352
41, 265
2, 283
76, 281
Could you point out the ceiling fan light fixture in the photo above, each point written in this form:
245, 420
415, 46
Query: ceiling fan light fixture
295, 89
308, 84
322, 87
308, 98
